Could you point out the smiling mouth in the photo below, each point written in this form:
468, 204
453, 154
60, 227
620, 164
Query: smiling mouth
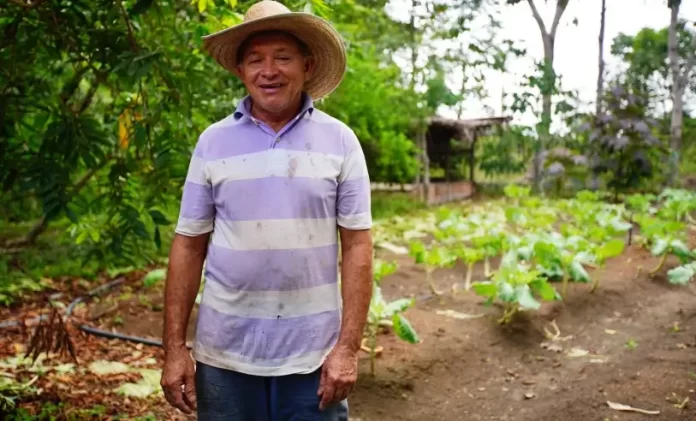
271, 87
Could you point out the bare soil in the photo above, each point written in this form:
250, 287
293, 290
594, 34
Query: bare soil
638, 331
638, 334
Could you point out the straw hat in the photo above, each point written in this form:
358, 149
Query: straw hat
321, 38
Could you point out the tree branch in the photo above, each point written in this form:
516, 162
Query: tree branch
560, 8
538, 18
42, 223
90, 95
131, 36
28, 5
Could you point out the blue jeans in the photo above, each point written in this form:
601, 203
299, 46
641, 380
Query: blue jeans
232, 396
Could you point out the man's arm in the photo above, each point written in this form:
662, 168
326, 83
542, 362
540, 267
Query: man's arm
356, 285
181, 287
354, 219
340, 371
186, 257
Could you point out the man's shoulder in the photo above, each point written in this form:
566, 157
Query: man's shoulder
321, 117
344, 132
227, 124
217, 132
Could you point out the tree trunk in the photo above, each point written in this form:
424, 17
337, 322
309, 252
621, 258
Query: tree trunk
412, 86
423, 143
594, 153
679, 81
547, 88
677, 98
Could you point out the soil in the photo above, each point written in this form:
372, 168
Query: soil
638, 331
635, 341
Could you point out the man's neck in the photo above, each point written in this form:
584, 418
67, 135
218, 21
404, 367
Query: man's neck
276, 121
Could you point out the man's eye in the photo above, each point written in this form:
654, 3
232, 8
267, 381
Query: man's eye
284, 58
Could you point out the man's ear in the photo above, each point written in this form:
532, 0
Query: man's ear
240, 70
310, 65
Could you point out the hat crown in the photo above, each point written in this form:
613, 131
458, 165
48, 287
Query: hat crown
264, 9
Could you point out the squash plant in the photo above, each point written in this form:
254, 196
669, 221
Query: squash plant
515, 284
435, 257
380, 311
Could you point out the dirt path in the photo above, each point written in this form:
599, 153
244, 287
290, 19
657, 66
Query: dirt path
475, 370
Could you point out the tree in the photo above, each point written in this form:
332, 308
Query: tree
594, 181
547, 85
680, 76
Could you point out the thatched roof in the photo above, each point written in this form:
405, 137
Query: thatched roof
466, 130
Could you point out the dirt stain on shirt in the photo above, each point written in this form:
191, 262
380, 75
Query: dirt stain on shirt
292, 167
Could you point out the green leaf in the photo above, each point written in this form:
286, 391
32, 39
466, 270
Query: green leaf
506, 292
232, 3
578, 273
202, 5
545, 290
659, 247
525, 298
681, 275
611, 248
140, 7
397, 306
154, 277
403, 329
158, 238
680, 250
485, 289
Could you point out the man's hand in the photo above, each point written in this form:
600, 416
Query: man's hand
178, 380
338, 376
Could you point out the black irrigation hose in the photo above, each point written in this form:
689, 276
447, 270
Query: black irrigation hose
115, 335
89, 329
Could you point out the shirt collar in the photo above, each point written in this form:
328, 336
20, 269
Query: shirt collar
242, 112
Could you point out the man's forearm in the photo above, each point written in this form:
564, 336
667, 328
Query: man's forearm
356, 289
183, 282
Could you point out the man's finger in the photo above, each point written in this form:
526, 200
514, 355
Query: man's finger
322, 381
175, 397
327, 396
190, 393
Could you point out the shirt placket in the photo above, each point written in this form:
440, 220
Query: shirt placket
276, 137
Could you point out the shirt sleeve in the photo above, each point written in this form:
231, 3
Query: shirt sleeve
353, 203
197, 211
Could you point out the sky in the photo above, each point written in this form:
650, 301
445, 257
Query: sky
576, 53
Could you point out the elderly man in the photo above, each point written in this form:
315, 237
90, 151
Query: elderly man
275, 183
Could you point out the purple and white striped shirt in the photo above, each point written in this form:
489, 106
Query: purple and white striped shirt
271, 304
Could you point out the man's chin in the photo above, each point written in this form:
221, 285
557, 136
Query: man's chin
273, 104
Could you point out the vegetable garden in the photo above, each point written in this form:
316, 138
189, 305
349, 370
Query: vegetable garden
563, 289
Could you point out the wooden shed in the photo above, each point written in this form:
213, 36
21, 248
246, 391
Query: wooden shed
448, 142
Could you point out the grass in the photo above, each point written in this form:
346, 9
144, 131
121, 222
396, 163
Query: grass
388, 204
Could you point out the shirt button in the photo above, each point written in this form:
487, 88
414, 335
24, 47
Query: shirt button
277, 139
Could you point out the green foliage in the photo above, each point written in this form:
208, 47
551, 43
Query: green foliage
379, 112
386, 312
154, 277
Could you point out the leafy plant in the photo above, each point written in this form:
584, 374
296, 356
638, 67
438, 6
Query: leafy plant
382, 311
515, 285
433, 258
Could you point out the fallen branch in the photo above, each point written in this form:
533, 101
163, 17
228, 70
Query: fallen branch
51, 337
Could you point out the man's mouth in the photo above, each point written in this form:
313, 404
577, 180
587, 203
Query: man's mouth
271, 87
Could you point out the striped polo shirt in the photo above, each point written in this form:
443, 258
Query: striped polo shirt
271, 303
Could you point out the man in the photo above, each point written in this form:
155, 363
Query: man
275, 183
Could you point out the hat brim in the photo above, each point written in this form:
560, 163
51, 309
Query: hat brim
322, 40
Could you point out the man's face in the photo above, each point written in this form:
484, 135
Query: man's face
274, 70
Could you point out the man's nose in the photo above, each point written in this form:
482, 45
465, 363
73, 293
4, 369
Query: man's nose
269, 70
